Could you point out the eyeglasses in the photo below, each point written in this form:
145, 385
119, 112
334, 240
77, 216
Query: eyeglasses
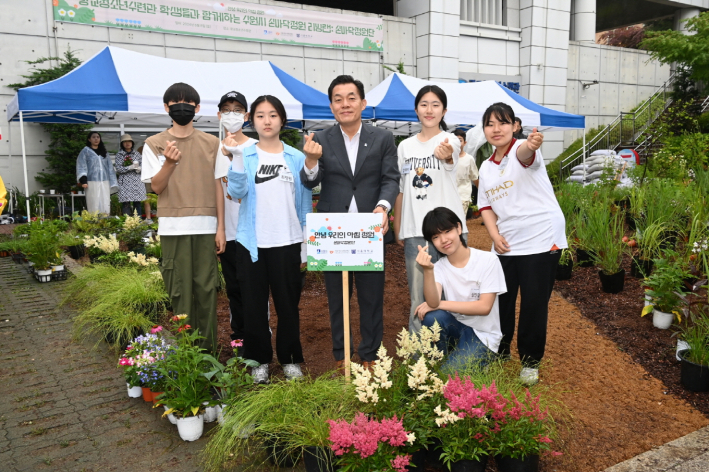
232, 112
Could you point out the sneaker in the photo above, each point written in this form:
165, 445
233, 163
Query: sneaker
260, 374
292, 371
149, 221
529, 375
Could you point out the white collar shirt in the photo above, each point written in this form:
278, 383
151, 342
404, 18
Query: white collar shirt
352, 147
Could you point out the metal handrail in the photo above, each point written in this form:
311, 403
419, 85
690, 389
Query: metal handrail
626, 128
705, 104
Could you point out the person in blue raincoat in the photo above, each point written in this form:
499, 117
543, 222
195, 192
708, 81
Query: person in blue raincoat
95, 173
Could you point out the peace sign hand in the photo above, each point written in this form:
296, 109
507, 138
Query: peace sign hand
424, 258
534, 140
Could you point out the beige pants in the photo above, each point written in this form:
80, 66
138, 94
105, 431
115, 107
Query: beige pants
465, 207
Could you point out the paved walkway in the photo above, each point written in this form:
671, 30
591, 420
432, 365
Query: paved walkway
63, 405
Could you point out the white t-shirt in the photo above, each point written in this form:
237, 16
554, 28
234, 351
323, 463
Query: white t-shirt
465, 174
529, 217
231, 206
426, 182
182, 225
482, 274
277, 222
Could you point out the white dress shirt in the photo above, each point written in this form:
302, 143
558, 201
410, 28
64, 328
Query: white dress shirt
352, 147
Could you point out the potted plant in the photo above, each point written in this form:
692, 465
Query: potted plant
16, 247
233, 379
43, 248
130, 372
132, 232
5, 249
665, 290
476, 210
187, 373
565, 267
695, 359
645, 247
582, 238
606, 228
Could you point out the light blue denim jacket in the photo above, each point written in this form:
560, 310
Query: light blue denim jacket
243, 185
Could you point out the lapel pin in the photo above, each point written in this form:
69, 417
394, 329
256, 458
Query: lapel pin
365, 144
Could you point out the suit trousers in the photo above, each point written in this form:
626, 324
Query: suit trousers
277, 269
370, 296
533, 276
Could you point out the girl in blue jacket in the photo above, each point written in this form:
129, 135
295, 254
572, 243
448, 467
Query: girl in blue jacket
270, 237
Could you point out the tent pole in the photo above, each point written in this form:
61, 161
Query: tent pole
24, 164
584, 157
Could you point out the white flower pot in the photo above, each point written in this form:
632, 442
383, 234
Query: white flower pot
681, 346
210, 413
44, 275
170, 417
134, 392
220, 413
52, 192
191, 428
662, 320
58, 268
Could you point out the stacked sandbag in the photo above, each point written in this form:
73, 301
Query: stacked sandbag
593, 168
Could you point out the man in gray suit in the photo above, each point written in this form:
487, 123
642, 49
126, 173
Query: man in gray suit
357, 166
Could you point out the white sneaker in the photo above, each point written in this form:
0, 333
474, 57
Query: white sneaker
148, 221
260, 374
292, 371
529, 376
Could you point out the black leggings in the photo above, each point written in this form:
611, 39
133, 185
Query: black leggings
533, 275
128, 208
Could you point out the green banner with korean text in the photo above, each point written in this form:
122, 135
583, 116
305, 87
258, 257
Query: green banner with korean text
229, 20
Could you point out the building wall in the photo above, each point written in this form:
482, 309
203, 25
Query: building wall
625, 78
27, 34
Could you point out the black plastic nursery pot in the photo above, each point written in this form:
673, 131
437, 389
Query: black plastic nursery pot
509, 464
583, 258
564, 271
641, 268
17, 257
469, 466
279, 456
319, 459
77, 251
417, 461
630, 221
433, 454
694, 377
613, 283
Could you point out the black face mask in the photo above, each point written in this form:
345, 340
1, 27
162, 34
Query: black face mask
182, 113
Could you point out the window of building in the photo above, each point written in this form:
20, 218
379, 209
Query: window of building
490, 12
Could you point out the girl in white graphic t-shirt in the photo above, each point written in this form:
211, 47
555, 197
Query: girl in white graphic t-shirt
526, 225
427, 162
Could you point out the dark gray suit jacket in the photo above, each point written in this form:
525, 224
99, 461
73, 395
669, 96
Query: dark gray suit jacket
376, 176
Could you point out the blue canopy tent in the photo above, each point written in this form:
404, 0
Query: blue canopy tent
112, 85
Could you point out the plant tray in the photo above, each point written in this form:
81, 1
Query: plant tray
59, 275
30, 269
43, 278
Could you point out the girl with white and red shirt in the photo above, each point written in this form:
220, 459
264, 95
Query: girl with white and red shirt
526, 225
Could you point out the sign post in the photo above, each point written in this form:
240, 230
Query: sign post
345, 242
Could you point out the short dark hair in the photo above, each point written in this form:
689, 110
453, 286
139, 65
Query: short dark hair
277, 104
345, 79
441, 219
132, 148
518, 120
460, 133
180, 92
502, 111
437, 91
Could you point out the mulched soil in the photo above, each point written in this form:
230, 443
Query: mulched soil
611, 368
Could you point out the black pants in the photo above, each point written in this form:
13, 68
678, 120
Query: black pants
370, 296
129, 207
277, 269
533, 275
233, 290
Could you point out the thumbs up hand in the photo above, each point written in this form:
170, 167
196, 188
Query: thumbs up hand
444, 151
534, 140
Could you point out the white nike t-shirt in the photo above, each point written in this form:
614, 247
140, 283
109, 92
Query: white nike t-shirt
482, 274
277, 221
529, 217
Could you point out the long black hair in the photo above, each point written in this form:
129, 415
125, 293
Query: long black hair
438, 92
101, 150
277, 104
441, 219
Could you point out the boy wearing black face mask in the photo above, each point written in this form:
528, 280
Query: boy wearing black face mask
185, 167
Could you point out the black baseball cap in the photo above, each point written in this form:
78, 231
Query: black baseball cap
233, 95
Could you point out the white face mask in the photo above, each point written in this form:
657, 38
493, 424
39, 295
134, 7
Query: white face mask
232, 122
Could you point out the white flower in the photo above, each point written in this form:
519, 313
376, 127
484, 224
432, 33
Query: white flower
72, 13
62, 12
411, 438
445, 416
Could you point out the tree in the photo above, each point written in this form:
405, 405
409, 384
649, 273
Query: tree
689, 50
66, 140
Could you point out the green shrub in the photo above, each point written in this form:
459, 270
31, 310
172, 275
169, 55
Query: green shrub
703, 121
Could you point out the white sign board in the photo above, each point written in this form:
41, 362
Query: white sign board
345, 241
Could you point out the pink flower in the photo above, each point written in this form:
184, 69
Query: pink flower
156, 329
400, 462
129, 348
237, 343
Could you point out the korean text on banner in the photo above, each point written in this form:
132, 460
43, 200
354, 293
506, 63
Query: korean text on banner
345, 242
230, 20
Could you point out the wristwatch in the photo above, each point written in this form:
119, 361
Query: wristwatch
386, 210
